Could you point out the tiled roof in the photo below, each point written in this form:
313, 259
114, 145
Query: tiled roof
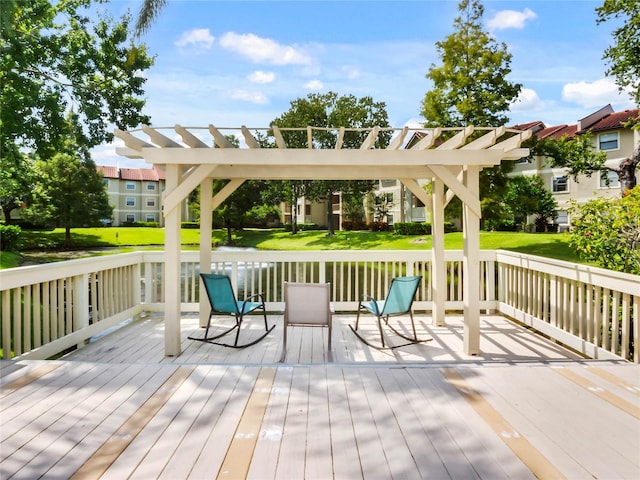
558, 131
535, 126
614, 120
154, 174
107, 171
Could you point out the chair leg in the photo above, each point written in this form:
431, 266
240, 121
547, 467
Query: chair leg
380, 329
284, 344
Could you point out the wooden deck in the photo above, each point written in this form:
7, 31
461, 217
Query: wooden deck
524, 408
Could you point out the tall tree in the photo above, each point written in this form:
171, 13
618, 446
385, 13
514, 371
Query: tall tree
332, 110
54, 57
471, 87
527, 195
149, 12
16, 180
623, 57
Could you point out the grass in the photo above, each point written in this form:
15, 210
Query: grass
123, 239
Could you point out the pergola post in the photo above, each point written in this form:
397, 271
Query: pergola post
206, 224
471, 264
439, 271
172, 266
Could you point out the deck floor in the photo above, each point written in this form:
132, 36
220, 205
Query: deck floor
523, 408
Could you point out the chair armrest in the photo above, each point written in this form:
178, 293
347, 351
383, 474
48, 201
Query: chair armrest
255, 295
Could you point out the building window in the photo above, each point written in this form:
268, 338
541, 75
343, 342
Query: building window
560, 184
307, 209
388, 183
608, 141
130, 218
389, 197
417, 203
151, 218
131, 186
151, 202
105, 182
130, 202
151, 186
609, 179
562, 217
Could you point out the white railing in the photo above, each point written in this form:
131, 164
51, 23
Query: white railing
49, 308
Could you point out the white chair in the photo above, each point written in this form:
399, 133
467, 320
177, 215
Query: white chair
306, 304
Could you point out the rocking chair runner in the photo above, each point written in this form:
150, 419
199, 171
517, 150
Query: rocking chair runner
223, 300
399, 301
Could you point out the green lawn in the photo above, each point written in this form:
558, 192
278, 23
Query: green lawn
121, 239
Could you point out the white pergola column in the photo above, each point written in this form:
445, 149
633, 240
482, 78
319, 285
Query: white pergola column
471, 264
206, 224
439, 271
172, 266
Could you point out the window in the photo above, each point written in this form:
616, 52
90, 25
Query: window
130, 202
151, 186
105, 182
151, 218
560, 184
151, 202
609, 179
562, 217
608, 141
130, 218
388, 183
131, 186
417, 202
389, 197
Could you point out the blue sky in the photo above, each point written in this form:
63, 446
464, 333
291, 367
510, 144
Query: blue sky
233, 63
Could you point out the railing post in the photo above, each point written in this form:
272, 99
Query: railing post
80, 303
206, 224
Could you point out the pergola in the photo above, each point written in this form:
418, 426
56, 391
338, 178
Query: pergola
449, 157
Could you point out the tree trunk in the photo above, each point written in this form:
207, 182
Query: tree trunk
330, 231
627, 171
67, 237
7, 214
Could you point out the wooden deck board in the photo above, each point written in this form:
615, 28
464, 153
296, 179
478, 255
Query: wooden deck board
368, 414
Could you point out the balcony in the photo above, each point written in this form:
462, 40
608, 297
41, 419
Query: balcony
553, 393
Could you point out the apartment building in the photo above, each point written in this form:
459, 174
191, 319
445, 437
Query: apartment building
609, 135
134, 193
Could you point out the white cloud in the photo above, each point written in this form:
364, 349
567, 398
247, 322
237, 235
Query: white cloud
252, 97
199, 37
314, 85
527, 100
262, 77
510, 19
352, 73
263, 50
594, 94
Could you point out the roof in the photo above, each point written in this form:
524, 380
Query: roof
154, 174
613, 120
108, 171
558, 132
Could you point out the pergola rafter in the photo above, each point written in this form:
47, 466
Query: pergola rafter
448, 157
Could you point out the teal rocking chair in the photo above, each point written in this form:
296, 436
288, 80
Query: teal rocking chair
223, 301
399, 301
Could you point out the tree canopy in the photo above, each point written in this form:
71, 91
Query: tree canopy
623, 57
55, 59
471, 86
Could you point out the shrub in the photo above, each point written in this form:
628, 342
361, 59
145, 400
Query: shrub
189, 225
354, 225
9, 237
412, 228
141, 224
378, 226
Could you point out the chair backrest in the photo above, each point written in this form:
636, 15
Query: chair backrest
307, 303
220, 292
402, 292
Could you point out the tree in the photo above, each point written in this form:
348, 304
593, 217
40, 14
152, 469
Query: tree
70, 193
234, 210
471, 87
16, 180
528, 196
148, 13
607, 232
624, 56
55, 58
332, 110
